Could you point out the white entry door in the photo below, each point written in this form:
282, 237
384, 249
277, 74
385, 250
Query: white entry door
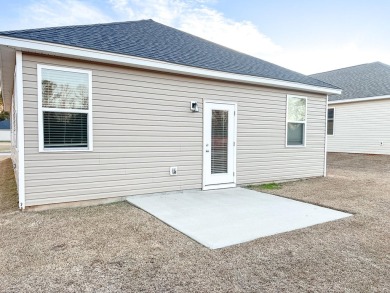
219, 139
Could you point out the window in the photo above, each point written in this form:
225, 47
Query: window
65, 110
330, 121
296, 121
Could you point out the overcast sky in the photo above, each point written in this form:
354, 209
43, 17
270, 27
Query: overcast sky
305, 36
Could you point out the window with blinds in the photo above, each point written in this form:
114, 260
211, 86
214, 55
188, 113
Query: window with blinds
65, 108
65, 129
330, 121
296, 120
219, 141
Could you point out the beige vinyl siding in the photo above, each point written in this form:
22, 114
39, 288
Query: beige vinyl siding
142, 125
360, 127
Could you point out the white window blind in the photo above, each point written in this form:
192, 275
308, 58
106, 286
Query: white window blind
65, 97
219, 141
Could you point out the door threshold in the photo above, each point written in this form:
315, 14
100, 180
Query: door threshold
219, 186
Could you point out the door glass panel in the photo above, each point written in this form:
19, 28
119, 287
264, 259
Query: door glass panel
219, 141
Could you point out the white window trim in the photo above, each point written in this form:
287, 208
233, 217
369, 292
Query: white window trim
334, 115
41, 109
305, 123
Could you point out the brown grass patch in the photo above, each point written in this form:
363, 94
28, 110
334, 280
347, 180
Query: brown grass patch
119, 248
8, 190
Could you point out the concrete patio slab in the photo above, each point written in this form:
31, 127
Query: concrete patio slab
220, 218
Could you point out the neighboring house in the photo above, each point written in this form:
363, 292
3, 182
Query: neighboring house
5, 132
358, 120
112, 110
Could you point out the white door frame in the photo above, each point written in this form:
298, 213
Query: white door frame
234, 135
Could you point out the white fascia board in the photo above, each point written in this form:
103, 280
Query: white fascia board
105, 57
359, 100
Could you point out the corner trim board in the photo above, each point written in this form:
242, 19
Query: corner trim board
326, 137
20, 132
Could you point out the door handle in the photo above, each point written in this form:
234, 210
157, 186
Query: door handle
207, 151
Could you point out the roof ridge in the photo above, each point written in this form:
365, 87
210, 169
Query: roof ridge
72, 26
213, 43
325, 82
347, 67
384, 64
181, 47
145, 20
242, 53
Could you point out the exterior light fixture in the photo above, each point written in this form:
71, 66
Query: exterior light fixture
194, 106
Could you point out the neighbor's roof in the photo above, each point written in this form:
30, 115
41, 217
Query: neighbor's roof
360, 81
152, 40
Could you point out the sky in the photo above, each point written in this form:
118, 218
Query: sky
305, 36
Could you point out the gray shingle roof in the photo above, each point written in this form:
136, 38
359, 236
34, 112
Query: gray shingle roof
360, 81
152, 40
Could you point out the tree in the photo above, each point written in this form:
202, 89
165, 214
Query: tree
1, 102
3, 115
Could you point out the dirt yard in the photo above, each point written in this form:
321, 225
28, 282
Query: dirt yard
118, 248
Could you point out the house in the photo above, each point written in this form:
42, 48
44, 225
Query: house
111, 110
358, 119
5, 133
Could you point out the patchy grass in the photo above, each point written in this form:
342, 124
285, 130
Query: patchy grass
266, 186
119, 248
